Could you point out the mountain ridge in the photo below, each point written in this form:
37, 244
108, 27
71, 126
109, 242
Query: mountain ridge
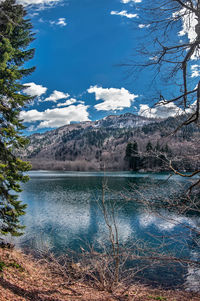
101, 144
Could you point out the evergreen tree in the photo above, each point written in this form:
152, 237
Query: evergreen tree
157, 148
132, 155
149, 160
149, 147
135, 148
166, 149
135, 161
15, 37
129, 150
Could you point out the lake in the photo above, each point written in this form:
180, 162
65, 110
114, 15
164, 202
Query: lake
64, 212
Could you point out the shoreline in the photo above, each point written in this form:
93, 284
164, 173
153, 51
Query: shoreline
25, 278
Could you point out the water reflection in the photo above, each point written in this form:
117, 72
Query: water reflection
63, 212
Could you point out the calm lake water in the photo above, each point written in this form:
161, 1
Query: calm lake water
63, 213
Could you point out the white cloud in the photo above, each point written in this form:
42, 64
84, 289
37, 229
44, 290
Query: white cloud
67, 102
52, 118
32, 115
40, 3
165, 110
154, 58
128, 1
56, 95
113, 99
34, 90
144, 25
81, 101
160, 111
195, 70
61, 22
33, 14
124, 13
189, 22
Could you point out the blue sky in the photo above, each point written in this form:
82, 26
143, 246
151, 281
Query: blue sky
80, 45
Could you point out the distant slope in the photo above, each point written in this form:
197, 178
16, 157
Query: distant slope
101, 144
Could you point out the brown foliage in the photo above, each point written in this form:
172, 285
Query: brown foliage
37, 282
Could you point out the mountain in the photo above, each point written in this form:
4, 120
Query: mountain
127, 120
102, 144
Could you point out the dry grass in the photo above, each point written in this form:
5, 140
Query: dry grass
24, 278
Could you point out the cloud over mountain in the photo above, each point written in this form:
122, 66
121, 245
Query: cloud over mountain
113, 99
40, 3
160, 111
52, 118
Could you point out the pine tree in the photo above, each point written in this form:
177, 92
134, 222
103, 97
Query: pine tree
166, 149
129, 150
135, 161
135, 148
132, 155
157, 147
15, 37
149, 159
149, 147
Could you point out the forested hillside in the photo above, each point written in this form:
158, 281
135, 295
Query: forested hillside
104, 144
